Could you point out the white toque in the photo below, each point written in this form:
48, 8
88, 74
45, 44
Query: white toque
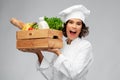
76, 11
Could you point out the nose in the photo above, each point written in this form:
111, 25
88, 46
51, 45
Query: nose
74, 26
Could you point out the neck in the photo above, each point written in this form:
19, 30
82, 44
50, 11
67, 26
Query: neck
68, 41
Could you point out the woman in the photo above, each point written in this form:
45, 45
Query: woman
73, 60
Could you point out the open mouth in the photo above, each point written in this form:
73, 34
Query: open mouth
73, 32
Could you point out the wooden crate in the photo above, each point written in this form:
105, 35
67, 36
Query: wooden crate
42, 38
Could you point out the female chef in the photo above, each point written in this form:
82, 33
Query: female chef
73, 60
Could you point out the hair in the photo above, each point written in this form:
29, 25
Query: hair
84, 31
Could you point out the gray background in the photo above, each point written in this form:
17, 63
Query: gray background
104, 23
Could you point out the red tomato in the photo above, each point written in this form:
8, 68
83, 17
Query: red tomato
30, 28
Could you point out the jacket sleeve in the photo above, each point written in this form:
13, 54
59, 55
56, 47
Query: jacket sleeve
78, 66
45, 68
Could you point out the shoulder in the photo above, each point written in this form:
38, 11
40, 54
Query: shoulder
85, 43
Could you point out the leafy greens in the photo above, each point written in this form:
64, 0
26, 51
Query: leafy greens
54, 23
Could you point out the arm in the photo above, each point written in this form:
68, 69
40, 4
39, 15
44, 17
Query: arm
45, 66
40, 56
78, 65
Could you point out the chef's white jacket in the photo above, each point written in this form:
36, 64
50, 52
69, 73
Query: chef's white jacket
72, 64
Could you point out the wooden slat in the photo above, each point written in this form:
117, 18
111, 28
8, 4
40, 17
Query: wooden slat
42, 33
32, 34
55, 43
39, 43
55, 33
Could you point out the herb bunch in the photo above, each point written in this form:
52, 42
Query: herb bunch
54, 23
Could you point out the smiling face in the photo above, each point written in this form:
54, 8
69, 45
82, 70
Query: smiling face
73, 28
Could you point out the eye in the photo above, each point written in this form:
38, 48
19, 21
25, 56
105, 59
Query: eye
79, 23
71, 22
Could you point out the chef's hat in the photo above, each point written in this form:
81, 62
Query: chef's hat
76, 11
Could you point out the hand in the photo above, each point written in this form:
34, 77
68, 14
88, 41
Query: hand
30, 50
56, 51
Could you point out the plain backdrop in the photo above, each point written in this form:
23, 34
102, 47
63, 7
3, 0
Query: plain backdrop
104, 24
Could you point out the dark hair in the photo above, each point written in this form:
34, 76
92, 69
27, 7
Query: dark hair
84, 31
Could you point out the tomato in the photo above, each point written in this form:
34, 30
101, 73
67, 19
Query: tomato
30, 28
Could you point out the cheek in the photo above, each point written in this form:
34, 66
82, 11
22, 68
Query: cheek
79, 30
67, 31
67, 28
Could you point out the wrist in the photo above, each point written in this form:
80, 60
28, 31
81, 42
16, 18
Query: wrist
58, 53
40, 56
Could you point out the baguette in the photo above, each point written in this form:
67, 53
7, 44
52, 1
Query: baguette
17, 23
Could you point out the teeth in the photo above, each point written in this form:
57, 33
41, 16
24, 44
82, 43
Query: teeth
72, 32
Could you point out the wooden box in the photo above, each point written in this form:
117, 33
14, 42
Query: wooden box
42, 38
